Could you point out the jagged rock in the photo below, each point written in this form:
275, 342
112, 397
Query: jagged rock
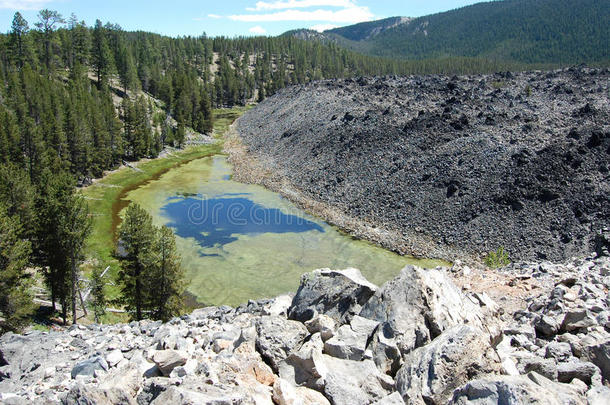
598, 395
284, 393
547, 326
544, 367
419, 305
598, 353
431, 373
89, 366
180, 396
575, 368
579, 319
559, 351
114, 357
187, 369
341, 381
384, 349
80, 395
337, 294
167, 360
323, 324
392, 399
516, 390
350, 340
279, 306
277, 337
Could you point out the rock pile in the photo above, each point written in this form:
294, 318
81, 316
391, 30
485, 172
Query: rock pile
418, 339
441, 166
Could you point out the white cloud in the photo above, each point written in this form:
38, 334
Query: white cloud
350, 15
258, 30
323, 27
214, 16
23, 4
283, 5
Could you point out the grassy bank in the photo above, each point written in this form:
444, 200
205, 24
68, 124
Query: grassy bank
106, 196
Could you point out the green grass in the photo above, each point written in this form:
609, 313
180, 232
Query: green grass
105, 197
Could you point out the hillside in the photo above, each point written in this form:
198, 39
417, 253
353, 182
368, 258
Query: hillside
526, 31
443, 166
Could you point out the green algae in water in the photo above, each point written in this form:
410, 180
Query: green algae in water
241, 242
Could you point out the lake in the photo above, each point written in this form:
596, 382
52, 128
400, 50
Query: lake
239, 241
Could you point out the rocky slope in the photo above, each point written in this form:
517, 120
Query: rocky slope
418, 339
444, 166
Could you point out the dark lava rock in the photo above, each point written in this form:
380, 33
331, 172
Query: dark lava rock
452, 161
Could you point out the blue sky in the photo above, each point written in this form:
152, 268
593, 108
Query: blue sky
229, 18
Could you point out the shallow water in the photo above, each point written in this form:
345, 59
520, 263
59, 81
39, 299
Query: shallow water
241, 242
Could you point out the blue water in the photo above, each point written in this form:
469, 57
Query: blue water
218, 221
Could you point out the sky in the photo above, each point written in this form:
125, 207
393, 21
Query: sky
228, 18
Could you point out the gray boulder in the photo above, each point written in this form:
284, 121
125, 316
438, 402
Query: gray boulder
89, 366
384, 349
516, 390
350, 340
277, 337
81, 395
575, 368
337, 294
342, 381
577, 320
419, 305
167, 360
597, 352
431, 373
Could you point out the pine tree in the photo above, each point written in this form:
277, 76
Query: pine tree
48, 20
74, 229
135, 251
101, 54
166, 283
16, 304
98, 295
19, 29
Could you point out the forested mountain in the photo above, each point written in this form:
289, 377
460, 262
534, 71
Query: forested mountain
526, 31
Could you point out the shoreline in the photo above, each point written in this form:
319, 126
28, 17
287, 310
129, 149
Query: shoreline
252, 169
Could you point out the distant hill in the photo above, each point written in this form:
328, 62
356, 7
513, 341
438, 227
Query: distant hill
527, 31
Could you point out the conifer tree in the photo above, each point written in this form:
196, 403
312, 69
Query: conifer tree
16, 304
98, 295
135, 252
166, 282
19, 29
101, 54
48, 21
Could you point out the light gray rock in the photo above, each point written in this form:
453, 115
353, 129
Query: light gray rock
167, 360
419, 305
578, 319
544, 367
516, 390
323, 324
597, 351
575, 368
337, 294
392, 399
559, 351
114, 357
81, 395
341, 381
89, 366
279, 306
350, 340
599, 395
384, 350
284, 393
431, 373
277, 337
182, 396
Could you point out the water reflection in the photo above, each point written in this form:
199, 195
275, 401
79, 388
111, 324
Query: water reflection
218, 221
